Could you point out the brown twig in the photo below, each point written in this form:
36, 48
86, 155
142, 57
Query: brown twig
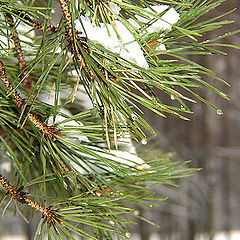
19, 53
75, 50
68, 18
49, 131
17, 194
33, 23
48, 214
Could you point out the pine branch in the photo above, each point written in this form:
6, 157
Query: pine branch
108, 49
33, 23
76, 51
21, 61
48, 214
49, 131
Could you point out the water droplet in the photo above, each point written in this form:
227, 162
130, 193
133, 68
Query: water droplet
136, 213
120, 134
223, 94
219, 112
182, 107
172, 97
134, 117
94, 103
127, 234
144, 141
150, 205
65, 185
170, 154
112, 222
88, 13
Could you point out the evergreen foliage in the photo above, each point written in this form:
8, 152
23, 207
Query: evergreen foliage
72, 160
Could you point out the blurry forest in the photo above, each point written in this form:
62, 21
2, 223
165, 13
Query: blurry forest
208, 201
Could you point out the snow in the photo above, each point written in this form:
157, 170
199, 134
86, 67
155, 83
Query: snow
115, 157
129, 49
166, 21
13, 237
232, 235
72, 123
161, 47
115, 8
126, 159
5, 166
125, 44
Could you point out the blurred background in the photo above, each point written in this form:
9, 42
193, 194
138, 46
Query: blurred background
207, 204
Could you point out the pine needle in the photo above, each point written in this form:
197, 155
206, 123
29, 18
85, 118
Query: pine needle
51, 92
146, 95
111, 109
95, 15
77, 83
112, 16
106, 129
114, 126
68, 61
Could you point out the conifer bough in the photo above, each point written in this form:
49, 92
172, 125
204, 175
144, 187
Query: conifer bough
49, 215
33, 23
21, 61
121, 54
49, 131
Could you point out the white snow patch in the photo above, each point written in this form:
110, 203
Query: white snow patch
164, 23
125, 45
116, 157
115, 8
72, 123
126, 159
232, 235
5, 166
13, 237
